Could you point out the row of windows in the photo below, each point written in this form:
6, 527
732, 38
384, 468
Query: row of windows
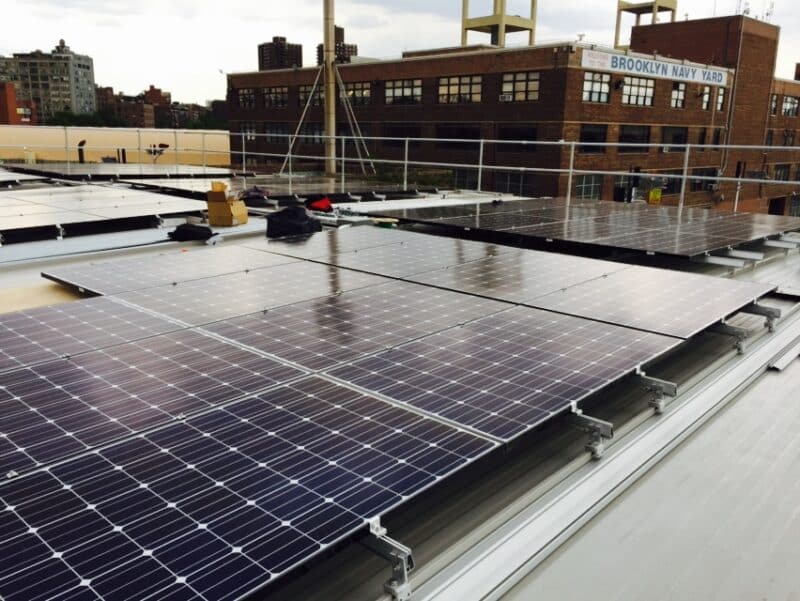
789, 108
640, 91
672, 138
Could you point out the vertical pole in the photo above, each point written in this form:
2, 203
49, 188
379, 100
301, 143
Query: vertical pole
405, 166
175, 140
244, 161
330, 91
66, 148
571, 171
464, 17
344, 141
289, 157
480, 166
685, 176
139, 142
738, 193
203, 148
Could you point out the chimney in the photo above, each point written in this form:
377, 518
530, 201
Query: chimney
797, 72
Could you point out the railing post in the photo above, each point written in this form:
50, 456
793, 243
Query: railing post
480, 165
738, 193
244, 161
175, 140
571, 171
405, 166
291, 143
139, 142
66, 148
344, 141
685, 176
203, 147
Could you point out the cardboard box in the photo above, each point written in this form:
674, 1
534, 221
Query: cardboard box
212, 196
230, 212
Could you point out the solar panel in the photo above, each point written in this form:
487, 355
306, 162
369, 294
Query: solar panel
118, 170
56, 409
321, 333
223, 504
122, 275
518, 275
45, 333
663, 230
64, 205
508, 372
204, 301
9, 177
658, 300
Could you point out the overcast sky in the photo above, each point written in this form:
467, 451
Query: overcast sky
182, 45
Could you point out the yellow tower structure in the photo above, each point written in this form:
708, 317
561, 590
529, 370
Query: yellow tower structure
498, 24
640, 9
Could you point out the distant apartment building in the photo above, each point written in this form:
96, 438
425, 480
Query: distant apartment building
55, 82
278, 54
344, 52
131, 111
12, 110
156, 96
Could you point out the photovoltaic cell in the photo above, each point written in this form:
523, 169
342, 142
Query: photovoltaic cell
37, 335
53, 410
508, 372
321, 333
200, 302
222, 504
113, 277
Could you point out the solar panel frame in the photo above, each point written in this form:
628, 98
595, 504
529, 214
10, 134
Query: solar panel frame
166, 524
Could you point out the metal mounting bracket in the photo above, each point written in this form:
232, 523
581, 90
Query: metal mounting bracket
59, 232
784, 243
660, 390
598, 430
399, 556
726, 329
747, 255
720, 260
771, 313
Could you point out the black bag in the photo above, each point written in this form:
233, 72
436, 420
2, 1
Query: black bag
291, 221
189, 231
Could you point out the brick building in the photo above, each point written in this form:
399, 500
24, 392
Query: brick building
278, 54
344, 52
711, 83
131, 111
12, 110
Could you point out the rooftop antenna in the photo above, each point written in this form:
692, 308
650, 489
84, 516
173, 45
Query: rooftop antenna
581, 36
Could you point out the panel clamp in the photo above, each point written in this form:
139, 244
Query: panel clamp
598, 430
660, 389
740, 334
398, 555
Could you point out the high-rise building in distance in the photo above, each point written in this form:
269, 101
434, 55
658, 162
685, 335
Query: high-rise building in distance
278, 54
344, 52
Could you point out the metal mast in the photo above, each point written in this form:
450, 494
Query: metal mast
330, 90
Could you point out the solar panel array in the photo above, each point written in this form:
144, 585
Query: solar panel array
122, 170
198, 434
64, 205
661, 230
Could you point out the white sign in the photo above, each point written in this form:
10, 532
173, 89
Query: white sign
648, 67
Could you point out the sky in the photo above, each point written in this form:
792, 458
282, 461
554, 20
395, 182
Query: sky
186, 46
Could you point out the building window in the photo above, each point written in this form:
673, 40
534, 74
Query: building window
276, 97
720, 98
249, 130
638, 91
247, 98
412, 131
672, 185
674, 139
678, 100
521, 86
311, 133
769, 138
788, 137
718, 137
794, 207
449, 134
596, 87
706, 96
634, 134
589, 187
595, 134
318, 99
359, 93
277, 133
403, 91
773, 104
701, 139
460, 90
790, 106
517, 132
782, 173
698, 185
